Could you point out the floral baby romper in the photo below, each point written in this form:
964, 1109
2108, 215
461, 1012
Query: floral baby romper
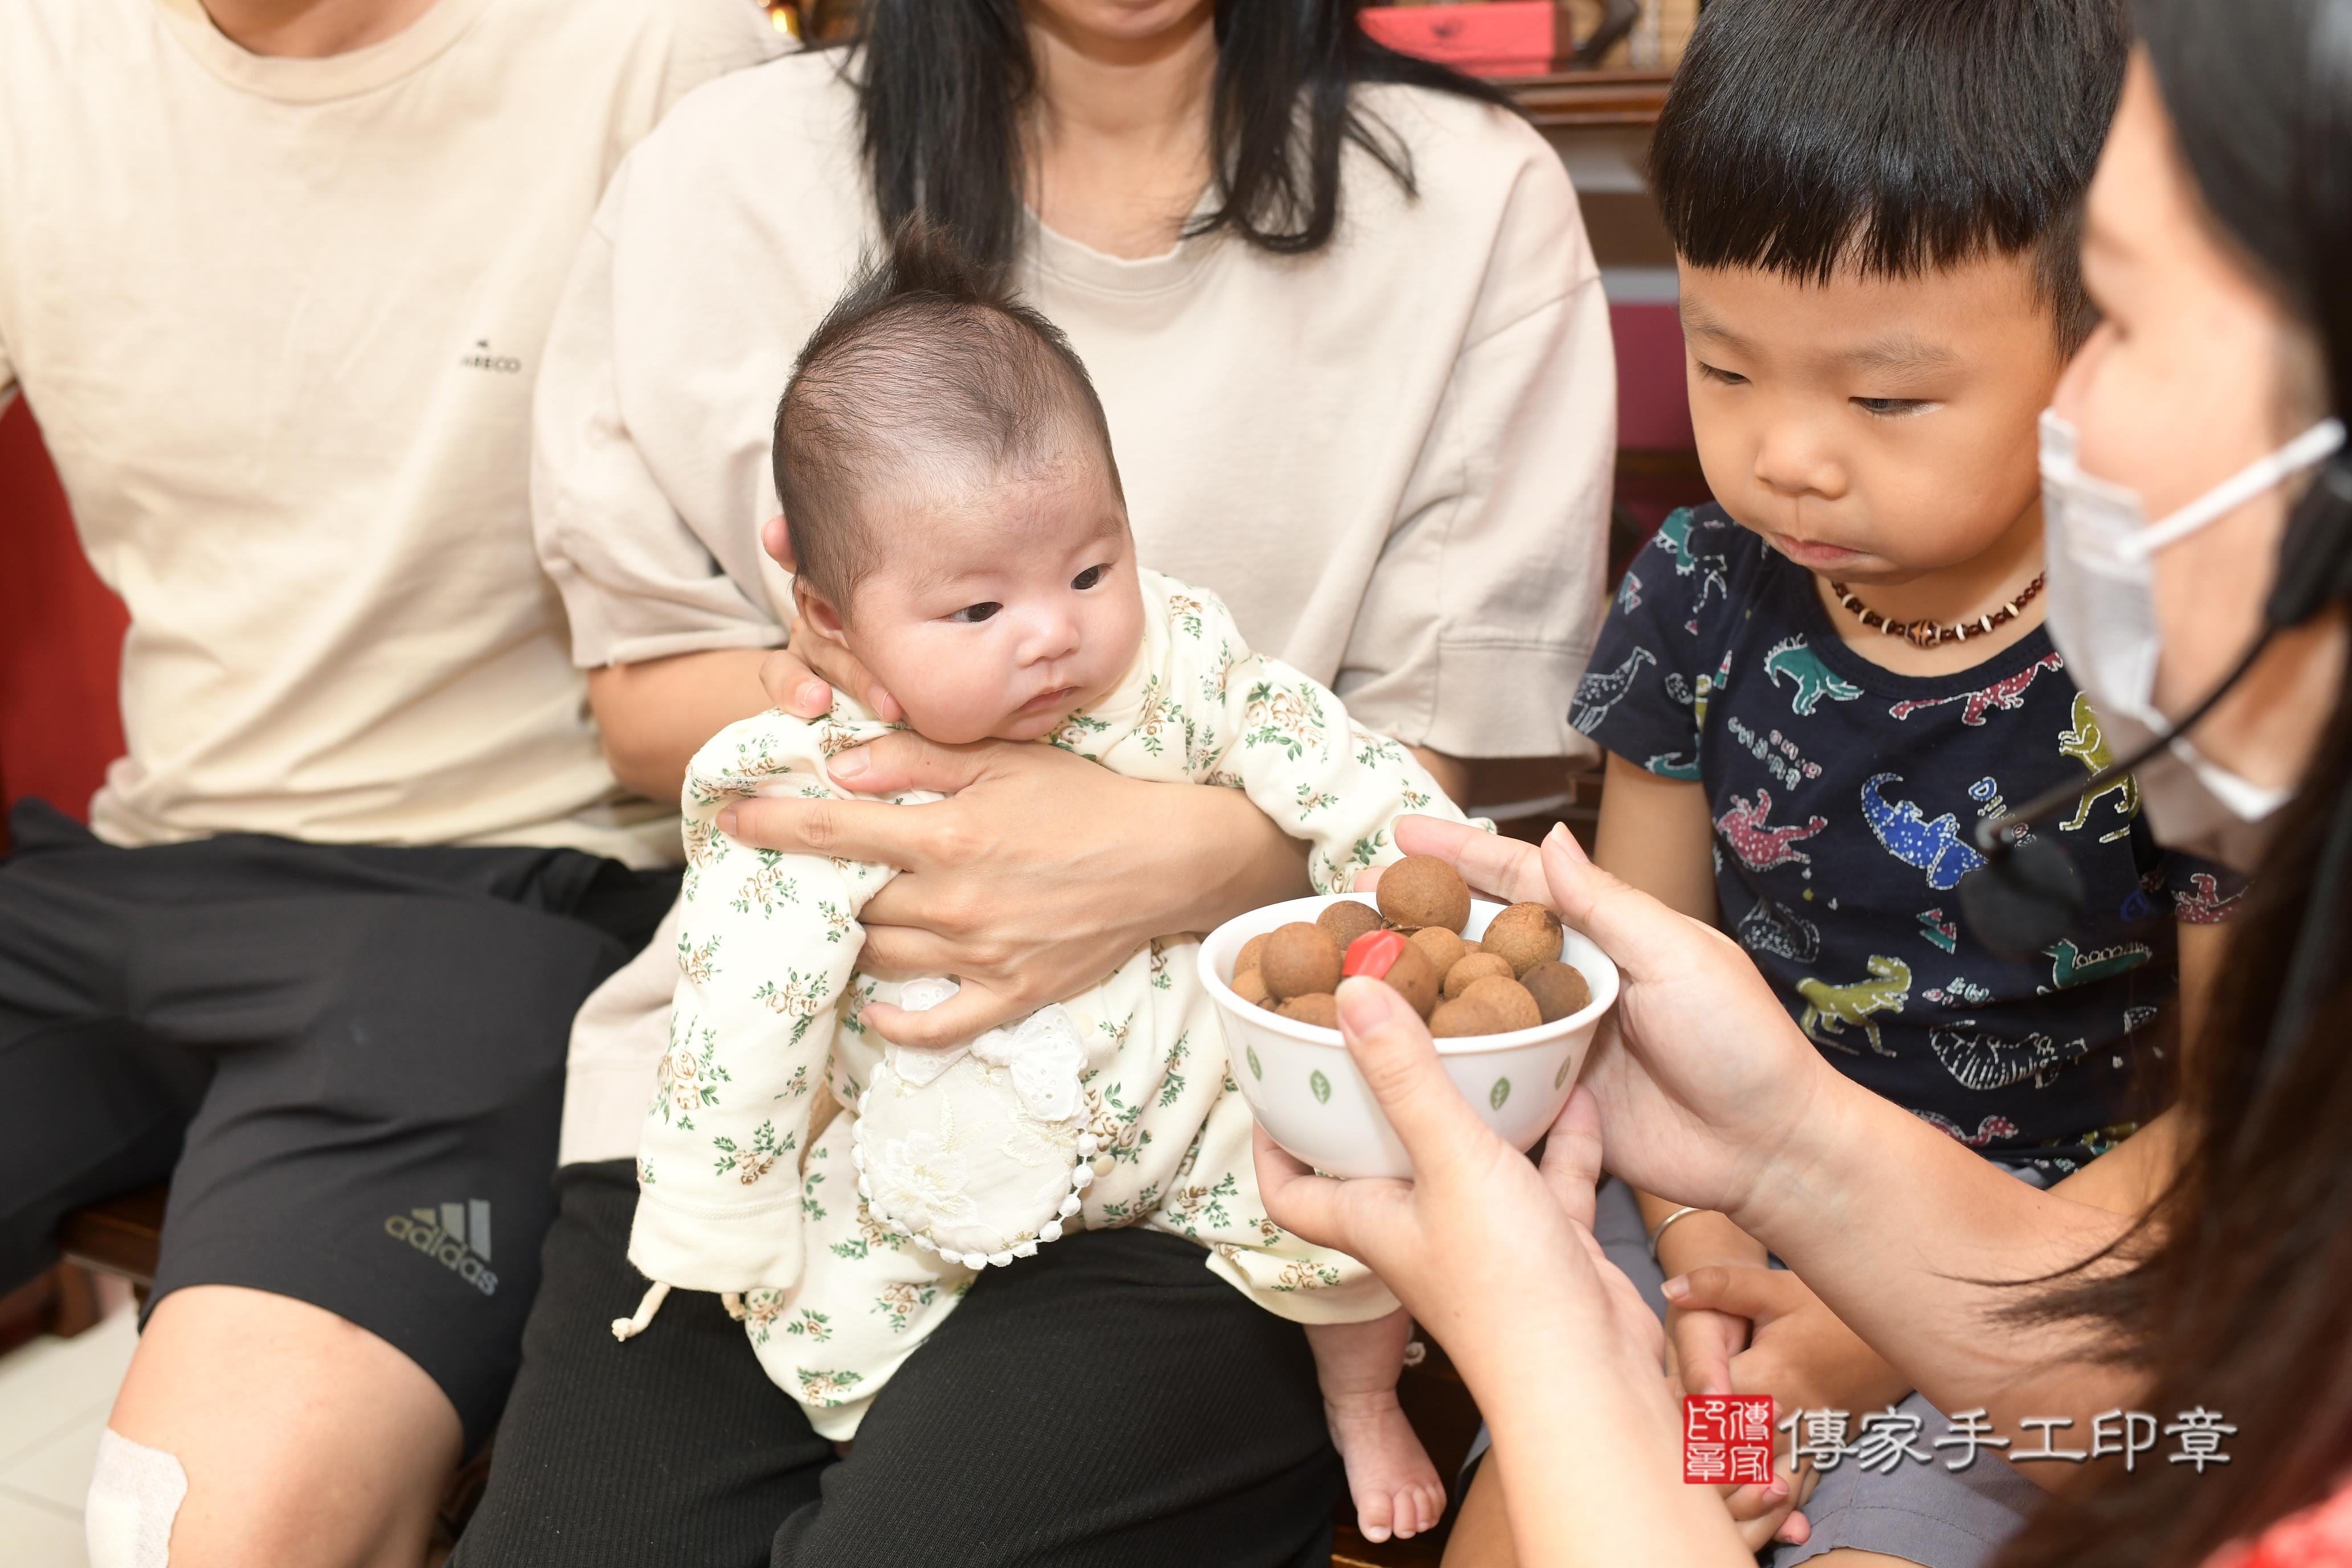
1113, 1107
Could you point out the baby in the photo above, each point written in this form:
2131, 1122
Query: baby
946, 472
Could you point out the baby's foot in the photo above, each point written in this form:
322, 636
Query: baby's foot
1395, 1487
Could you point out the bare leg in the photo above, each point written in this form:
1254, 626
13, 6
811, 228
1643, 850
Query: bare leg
307, 1440
1395, 1487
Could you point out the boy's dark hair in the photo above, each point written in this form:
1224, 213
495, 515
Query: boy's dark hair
928, 358
1897, 135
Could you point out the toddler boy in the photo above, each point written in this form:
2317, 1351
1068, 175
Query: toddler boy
1813, 690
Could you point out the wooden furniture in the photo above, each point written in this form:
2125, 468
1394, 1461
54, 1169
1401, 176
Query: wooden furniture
1578, 98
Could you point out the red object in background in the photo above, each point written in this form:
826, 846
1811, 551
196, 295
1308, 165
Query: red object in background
60, 636
1499, 38
1653, 386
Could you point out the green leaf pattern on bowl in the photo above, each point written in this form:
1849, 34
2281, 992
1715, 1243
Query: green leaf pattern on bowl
1322, 1086
1257, 1071
1561, 1076
1499, 1093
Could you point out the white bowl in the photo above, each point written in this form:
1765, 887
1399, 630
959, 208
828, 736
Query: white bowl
1307, 1092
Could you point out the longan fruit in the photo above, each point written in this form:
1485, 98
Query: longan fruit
1299, 958
1423, 890
1527, 934
1560, 989
1252, 954
1461, 1017
1473, 967
1348, 919
1506, 1002
1317, 1007
1443, 947
1250, 985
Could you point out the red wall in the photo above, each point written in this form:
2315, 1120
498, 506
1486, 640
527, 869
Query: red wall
60, 636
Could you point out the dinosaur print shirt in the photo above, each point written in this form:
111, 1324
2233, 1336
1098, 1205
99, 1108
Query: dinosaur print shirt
1844, 795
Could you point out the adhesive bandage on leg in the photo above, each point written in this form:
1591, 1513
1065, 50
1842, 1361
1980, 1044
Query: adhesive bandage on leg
134, 1494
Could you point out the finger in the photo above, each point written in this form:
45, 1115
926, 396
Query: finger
835, 663
1368, 879
849, 829
912, 949
1646, 937
903, 761
972, 1011
792, 686
1702, 1353
777, 541
1441, 1134
1572, 1157
1489, 862
1745, 1291
1795, 1530
1323, 1211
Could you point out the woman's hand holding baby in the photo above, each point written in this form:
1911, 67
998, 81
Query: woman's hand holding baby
1038, 873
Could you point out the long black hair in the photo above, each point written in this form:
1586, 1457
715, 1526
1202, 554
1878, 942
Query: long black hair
942, 84
2237, 1295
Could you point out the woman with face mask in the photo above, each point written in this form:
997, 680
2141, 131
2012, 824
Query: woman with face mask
2199, 510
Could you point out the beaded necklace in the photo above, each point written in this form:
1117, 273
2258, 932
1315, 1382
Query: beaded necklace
1929, 634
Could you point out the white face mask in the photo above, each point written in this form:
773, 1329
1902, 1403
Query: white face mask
2101, 591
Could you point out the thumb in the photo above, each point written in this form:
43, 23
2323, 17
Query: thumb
1745, 1291
1572, 1157
903, 759
1439, 1130
971, 1013
1646, 939
777, 541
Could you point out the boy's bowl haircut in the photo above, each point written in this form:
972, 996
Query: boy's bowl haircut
1307, 1093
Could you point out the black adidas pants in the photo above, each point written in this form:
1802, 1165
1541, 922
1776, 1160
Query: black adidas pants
348, 1060
1106, 1404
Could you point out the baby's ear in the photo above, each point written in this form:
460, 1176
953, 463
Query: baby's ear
817, 613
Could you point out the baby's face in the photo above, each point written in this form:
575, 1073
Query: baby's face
1871, 430
1002, 606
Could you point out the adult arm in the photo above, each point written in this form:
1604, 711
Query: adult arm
654, 716
1709, 1096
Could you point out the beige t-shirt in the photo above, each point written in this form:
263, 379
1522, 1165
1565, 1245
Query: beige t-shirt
1392, 459
279, 320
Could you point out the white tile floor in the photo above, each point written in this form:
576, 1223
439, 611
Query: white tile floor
54, 1397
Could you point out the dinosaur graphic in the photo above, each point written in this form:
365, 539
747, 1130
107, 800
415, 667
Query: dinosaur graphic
2087, 744
1675, 538
1985, 1061
2007, 693
2204, 905
1674, 765
2073, 966
1777, 928
1760, 847
1944, 934
1934, 848
1600, 691
1830, 1008
1988, 1129
1814, 679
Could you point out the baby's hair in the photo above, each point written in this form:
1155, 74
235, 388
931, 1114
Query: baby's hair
1801, 136
928, 365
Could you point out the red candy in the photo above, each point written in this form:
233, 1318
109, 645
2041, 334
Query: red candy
1374, 954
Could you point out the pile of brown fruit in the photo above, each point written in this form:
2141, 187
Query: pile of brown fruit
1511, 980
